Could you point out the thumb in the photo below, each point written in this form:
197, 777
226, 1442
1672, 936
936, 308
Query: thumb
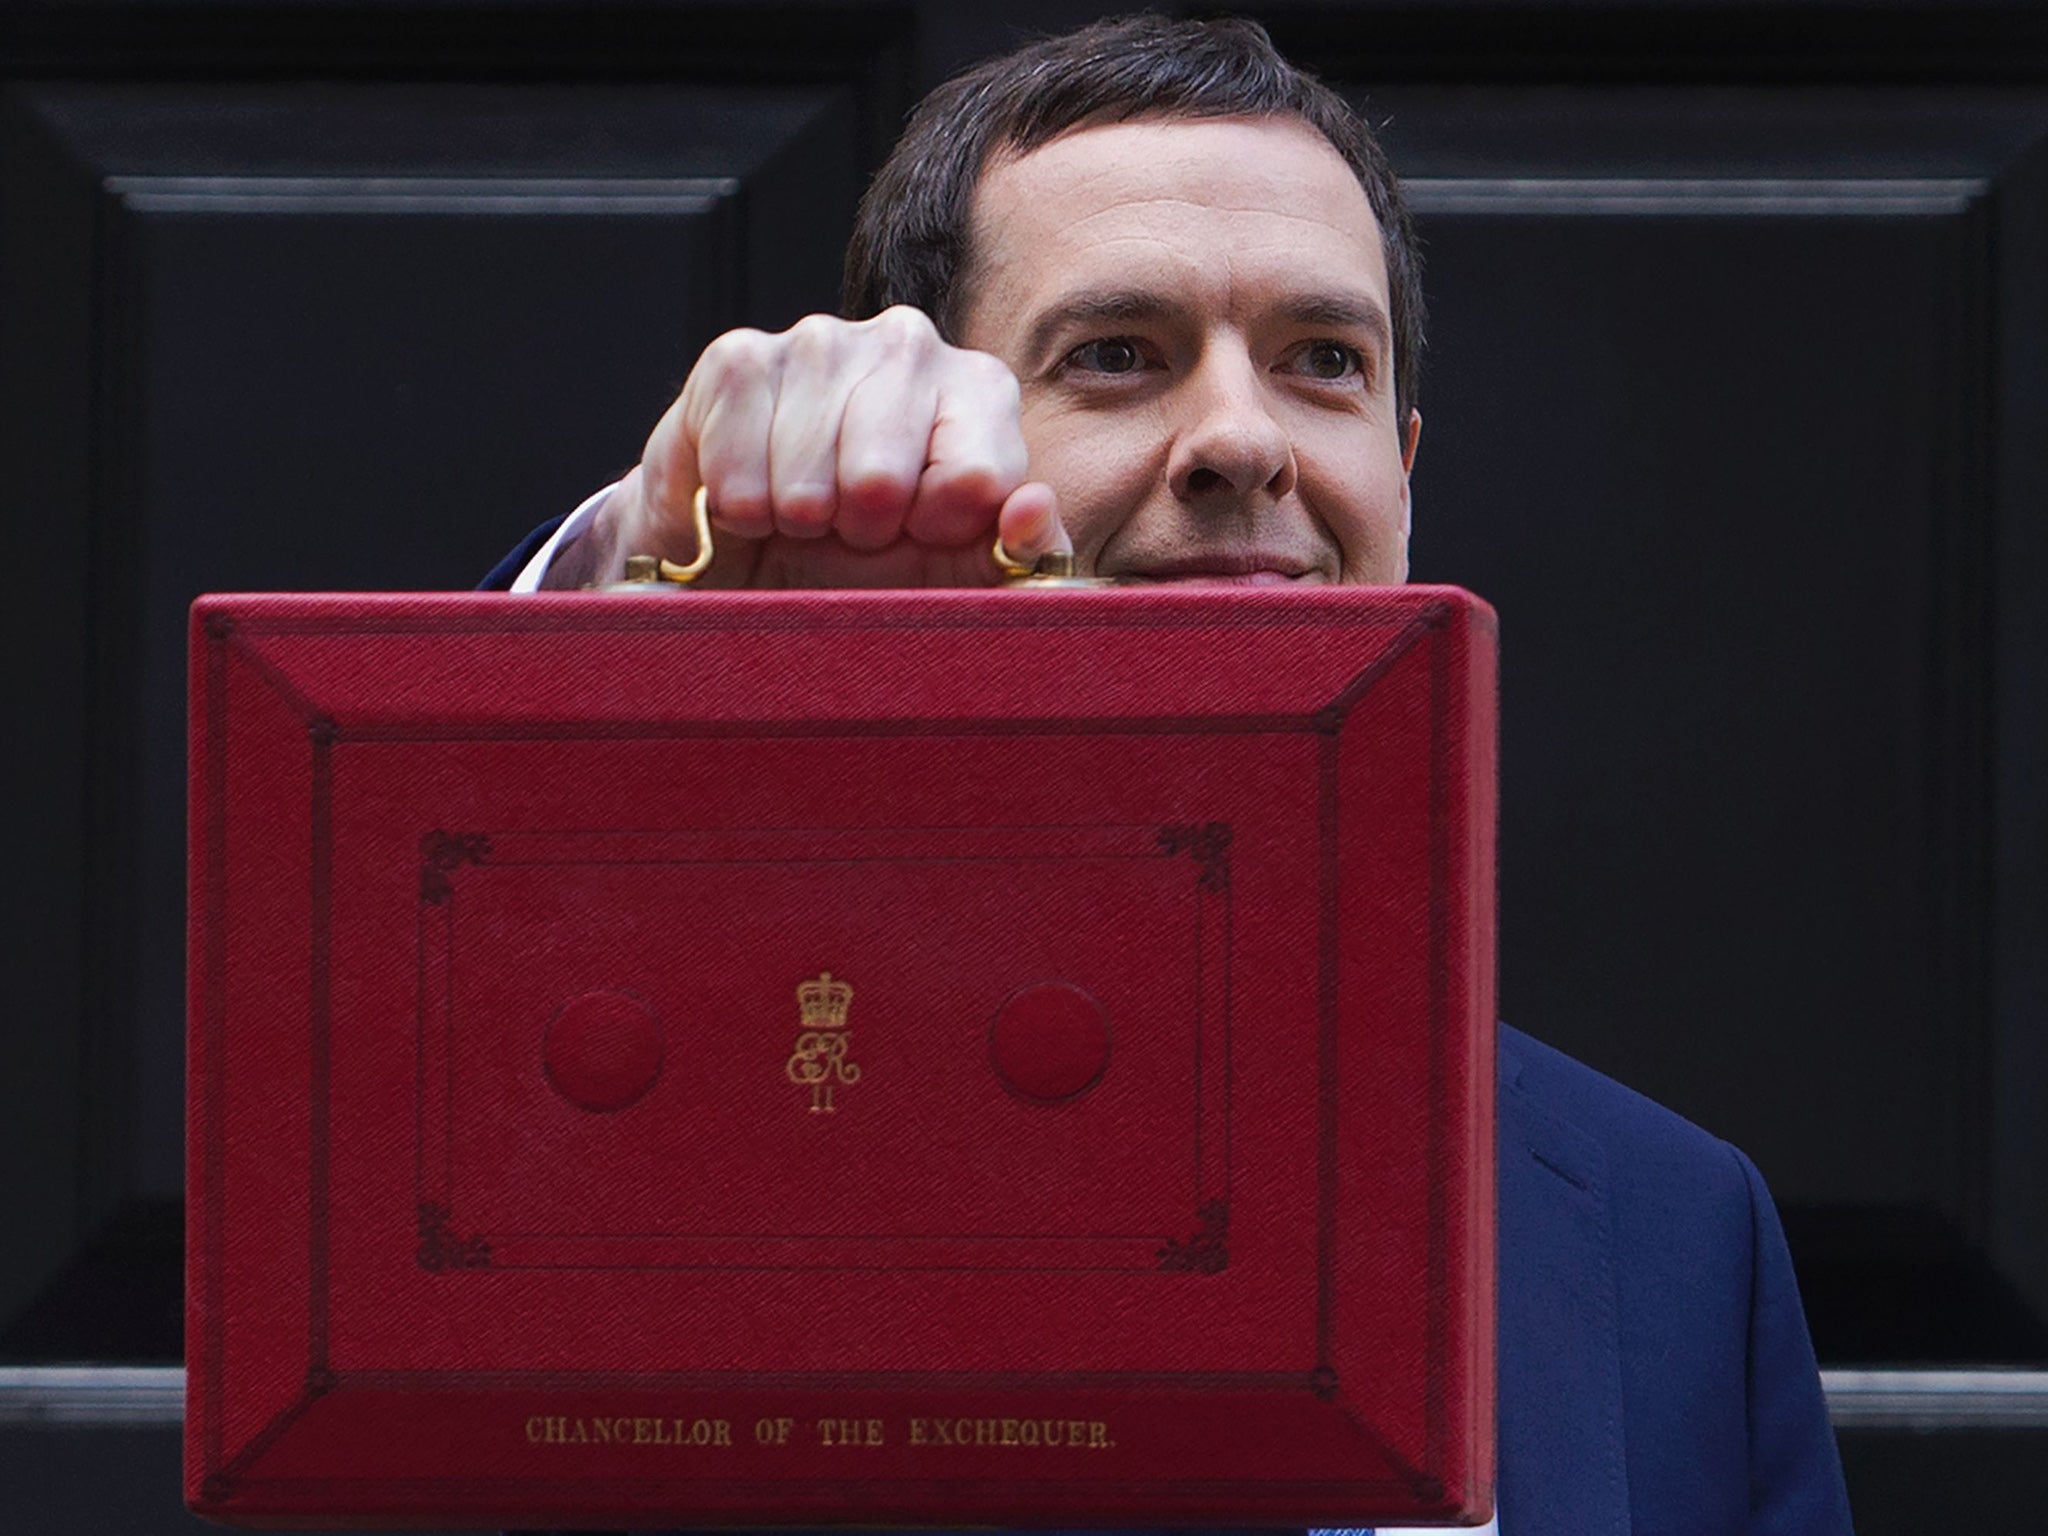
1029, 525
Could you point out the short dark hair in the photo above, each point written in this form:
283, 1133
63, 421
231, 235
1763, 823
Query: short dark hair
911, 240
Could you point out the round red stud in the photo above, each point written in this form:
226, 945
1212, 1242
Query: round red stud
602, 1051
1050, 1042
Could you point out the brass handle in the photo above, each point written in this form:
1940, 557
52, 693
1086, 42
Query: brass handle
1054, 568
644, 570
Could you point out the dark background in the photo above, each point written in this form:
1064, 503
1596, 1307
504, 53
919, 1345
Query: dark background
1734, 407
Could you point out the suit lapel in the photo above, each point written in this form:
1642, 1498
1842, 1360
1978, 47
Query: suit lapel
1562, 1467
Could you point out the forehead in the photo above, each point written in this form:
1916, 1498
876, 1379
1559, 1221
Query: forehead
1213, 207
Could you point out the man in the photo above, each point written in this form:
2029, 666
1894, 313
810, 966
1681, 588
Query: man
1157, 302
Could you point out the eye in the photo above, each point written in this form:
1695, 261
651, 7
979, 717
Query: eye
1331, 360
1110, 354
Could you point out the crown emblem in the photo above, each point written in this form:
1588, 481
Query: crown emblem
824, 1002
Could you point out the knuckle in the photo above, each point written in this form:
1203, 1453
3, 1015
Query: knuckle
904, 327
741, 346
736, 354
813, 338
1012, 463
992, 376
734, 491
806, 508
879, 485
803, 520
745, 520
974, 477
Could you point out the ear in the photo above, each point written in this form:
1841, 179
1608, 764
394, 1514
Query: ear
1409, 439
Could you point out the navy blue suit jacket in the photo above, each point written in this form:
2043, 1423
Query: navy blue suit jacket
1655, 1370
1656, 1377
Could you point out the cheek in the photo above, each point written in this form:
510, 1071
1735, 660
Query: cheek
1355, 487
1101, 464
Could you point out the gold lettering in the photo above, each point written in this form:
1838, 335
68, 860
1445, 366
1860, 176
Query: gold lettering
850, 1431
620, 1429
700, 1433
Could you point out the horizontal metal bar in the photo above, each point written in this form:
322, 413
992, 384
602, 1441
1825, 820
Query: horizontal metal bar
115, 1396
91, 1396
421, 194
1928, 1400
1546, 196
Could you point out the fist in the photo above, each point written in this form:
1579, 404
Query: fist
835, 454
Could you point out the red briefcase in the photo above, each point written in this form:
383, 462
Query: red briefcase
995, 1058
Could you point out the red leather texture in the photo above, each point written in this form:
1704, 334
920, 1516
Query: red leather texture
1010, 1058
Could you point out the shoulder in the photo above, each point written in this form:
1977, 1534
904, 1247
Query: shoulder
1677, 1210
1681, 1253
1644, 1148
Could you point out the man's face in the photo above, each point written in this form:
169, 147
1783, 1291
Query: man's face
1198, 312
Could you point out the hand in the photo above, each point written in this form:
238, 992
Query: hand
835, 454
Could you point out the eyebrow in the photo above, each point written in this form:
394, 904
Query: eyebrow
1343, 312
1093, 306
1124, 306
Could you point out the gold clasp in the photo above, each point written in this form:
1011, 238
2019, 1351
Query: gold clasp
651, 570
1054, 568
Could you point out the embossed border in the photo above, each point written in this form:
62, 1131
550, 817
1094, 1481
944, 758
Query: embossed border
226, 1476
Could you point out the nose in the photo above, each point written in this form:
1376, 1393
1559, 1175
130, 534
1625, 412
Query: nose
1230, 445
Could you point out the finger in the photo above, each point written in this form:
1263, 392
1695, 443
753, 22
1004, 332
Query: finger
732, 458
977, 456
803, 441
652, 510
627, 525
721, 421
885, 436
643, 506
1029, 526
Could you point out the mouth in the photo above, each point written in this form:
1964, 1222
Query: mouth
1250, 568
